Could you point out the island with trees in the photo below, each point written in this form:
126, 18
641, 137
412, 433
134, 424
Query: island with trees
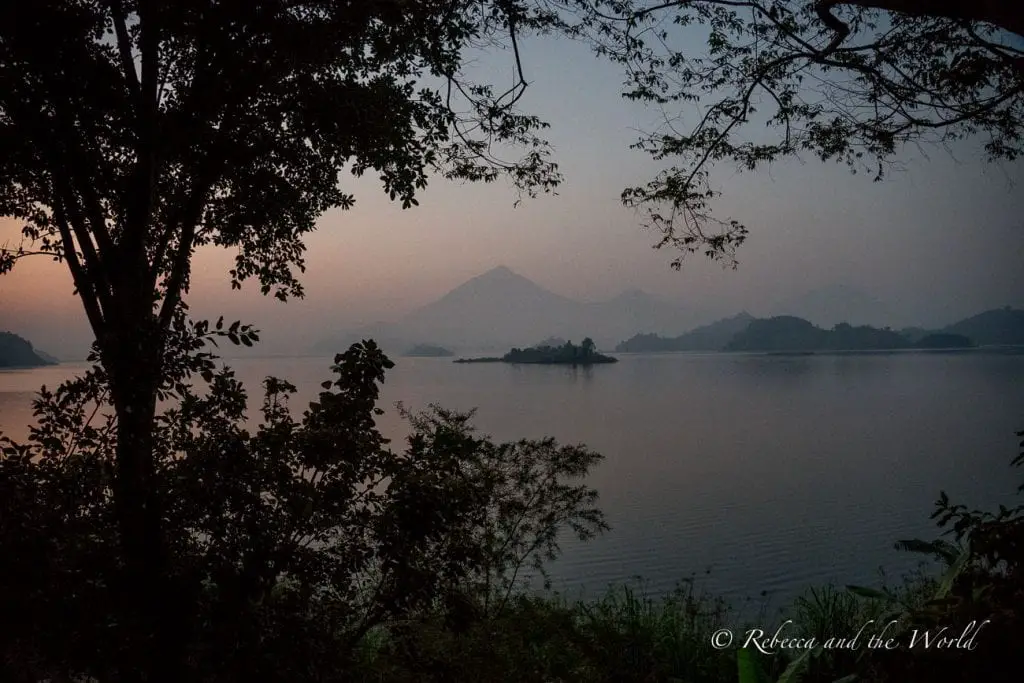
428, 351
567, 354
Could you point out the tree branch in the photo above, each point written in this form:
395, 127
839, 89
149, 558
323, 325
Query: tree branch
124, 49
191, 214
1005, 14
823, 8
95, 261
93, 209
181, 262
78, 274
137, 227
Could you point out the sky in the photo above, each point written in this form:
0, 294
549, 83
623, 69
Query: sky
937, 241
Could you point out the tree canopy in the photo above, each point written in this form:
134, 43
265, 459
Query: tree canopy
847, 80
134, 131
140, 130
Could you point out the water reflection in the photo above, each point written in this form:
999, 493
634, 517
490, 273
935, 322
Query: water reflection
775, 471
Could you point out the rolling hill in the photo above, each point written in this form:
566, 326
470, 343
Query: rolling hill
712, 337
997, 327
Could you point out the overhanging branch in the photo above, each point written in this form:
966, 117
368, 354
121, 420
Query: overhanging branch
1005, 14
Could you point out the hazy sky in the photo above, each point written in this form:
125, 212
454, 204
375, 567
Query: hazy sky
943, 239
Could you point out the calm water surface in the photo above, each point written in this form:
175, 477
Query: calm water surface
771, 472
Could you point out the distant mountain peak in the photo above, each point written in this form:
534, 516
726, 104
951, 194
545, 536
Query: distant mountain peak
499, 272
503, 308
498, 280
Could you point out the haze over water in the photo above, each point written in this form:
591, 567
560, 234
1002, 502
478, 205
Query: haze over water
773, 472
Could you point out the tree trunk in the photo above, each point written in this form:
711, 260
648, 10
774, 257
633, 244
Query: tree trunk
153, 609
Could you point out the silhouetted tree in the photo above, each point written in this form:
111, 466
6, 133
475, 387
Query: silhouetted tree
134, 131
587, 348
294, 539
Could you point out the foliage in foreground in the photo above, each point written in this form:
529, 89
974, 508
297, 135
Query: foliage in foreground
290, 544
134, 132
628, 636
962, 626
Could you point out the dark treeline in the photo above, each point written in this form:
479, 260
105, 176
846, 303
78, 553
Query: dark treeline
786, 333
997, 327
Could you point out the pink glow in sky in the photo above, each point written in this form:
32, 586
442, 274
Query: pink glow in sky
941, 240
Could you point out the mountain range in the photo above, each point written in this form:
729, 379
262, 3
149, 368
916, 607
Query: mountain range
501, 309
996, 327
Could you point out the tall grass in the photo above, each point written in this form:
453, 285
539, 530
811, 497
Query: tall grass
626, 636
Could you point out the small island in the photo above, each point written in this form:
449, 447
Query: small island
427, 351
567, 354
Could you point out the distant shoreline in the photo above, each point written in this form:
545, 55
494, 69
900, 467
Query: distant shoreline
836, 352
30, 367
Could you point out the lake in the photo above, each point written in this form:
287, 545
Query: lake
757, 473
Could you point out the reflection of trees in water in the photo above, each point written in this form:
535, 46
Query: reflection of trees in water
530, 373
579, 372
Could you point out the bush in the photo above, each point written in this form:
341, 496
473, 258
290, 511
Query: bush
290, 548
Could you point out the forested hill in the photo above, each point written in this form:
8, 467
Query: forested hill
788, 333
997, 327
743, 332
18, 352
712, 337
